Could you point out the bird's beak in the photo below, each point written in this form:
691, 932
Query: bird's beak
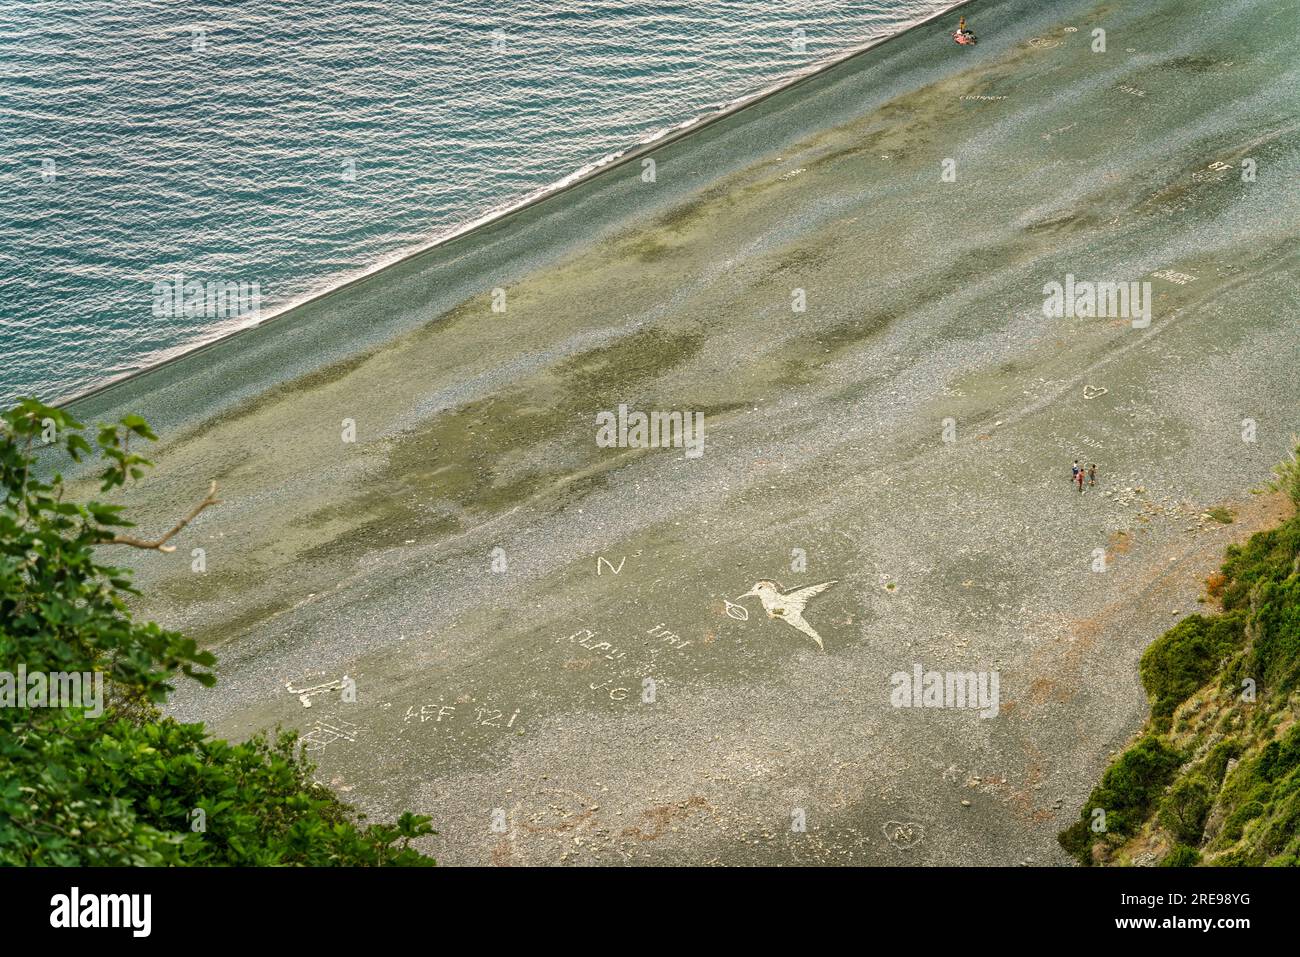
752, 593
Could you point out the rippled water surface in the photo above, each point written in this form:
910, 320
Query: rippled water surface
296, 144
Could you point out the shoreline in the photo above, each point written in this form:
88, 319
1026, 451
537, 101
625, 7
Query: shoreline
474, 433
503, 214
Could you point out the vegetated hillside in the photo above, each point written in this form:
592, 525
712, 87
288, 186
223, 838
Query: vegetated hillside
1214, 778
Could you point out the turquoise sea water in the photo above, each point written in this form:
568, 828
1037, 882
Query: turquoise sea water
292, 145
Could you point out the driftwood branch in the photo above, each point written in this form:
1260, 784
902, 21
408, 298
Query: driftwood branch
161, 543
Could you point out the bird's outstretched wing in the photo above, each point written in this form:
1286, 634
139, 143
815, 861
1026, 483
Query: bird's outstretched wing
797, 620
799, 599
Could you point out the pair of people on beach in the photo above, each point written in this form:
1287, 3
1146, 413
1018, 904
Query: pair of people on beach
1080, 473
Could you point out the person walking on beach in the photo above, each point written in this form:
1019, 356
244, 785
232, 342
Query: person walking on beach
1078, 478
1092, 474
1074, 473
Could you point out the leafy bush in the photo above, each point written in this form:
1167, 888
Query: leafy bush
1127, 794
129, 787
1275, 658
1268, 556
1263, 794
1184, 809
1182, 660
1182, 856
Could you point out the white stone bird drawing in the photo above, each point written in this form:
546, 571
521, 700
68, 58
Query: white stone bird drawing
789, 607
